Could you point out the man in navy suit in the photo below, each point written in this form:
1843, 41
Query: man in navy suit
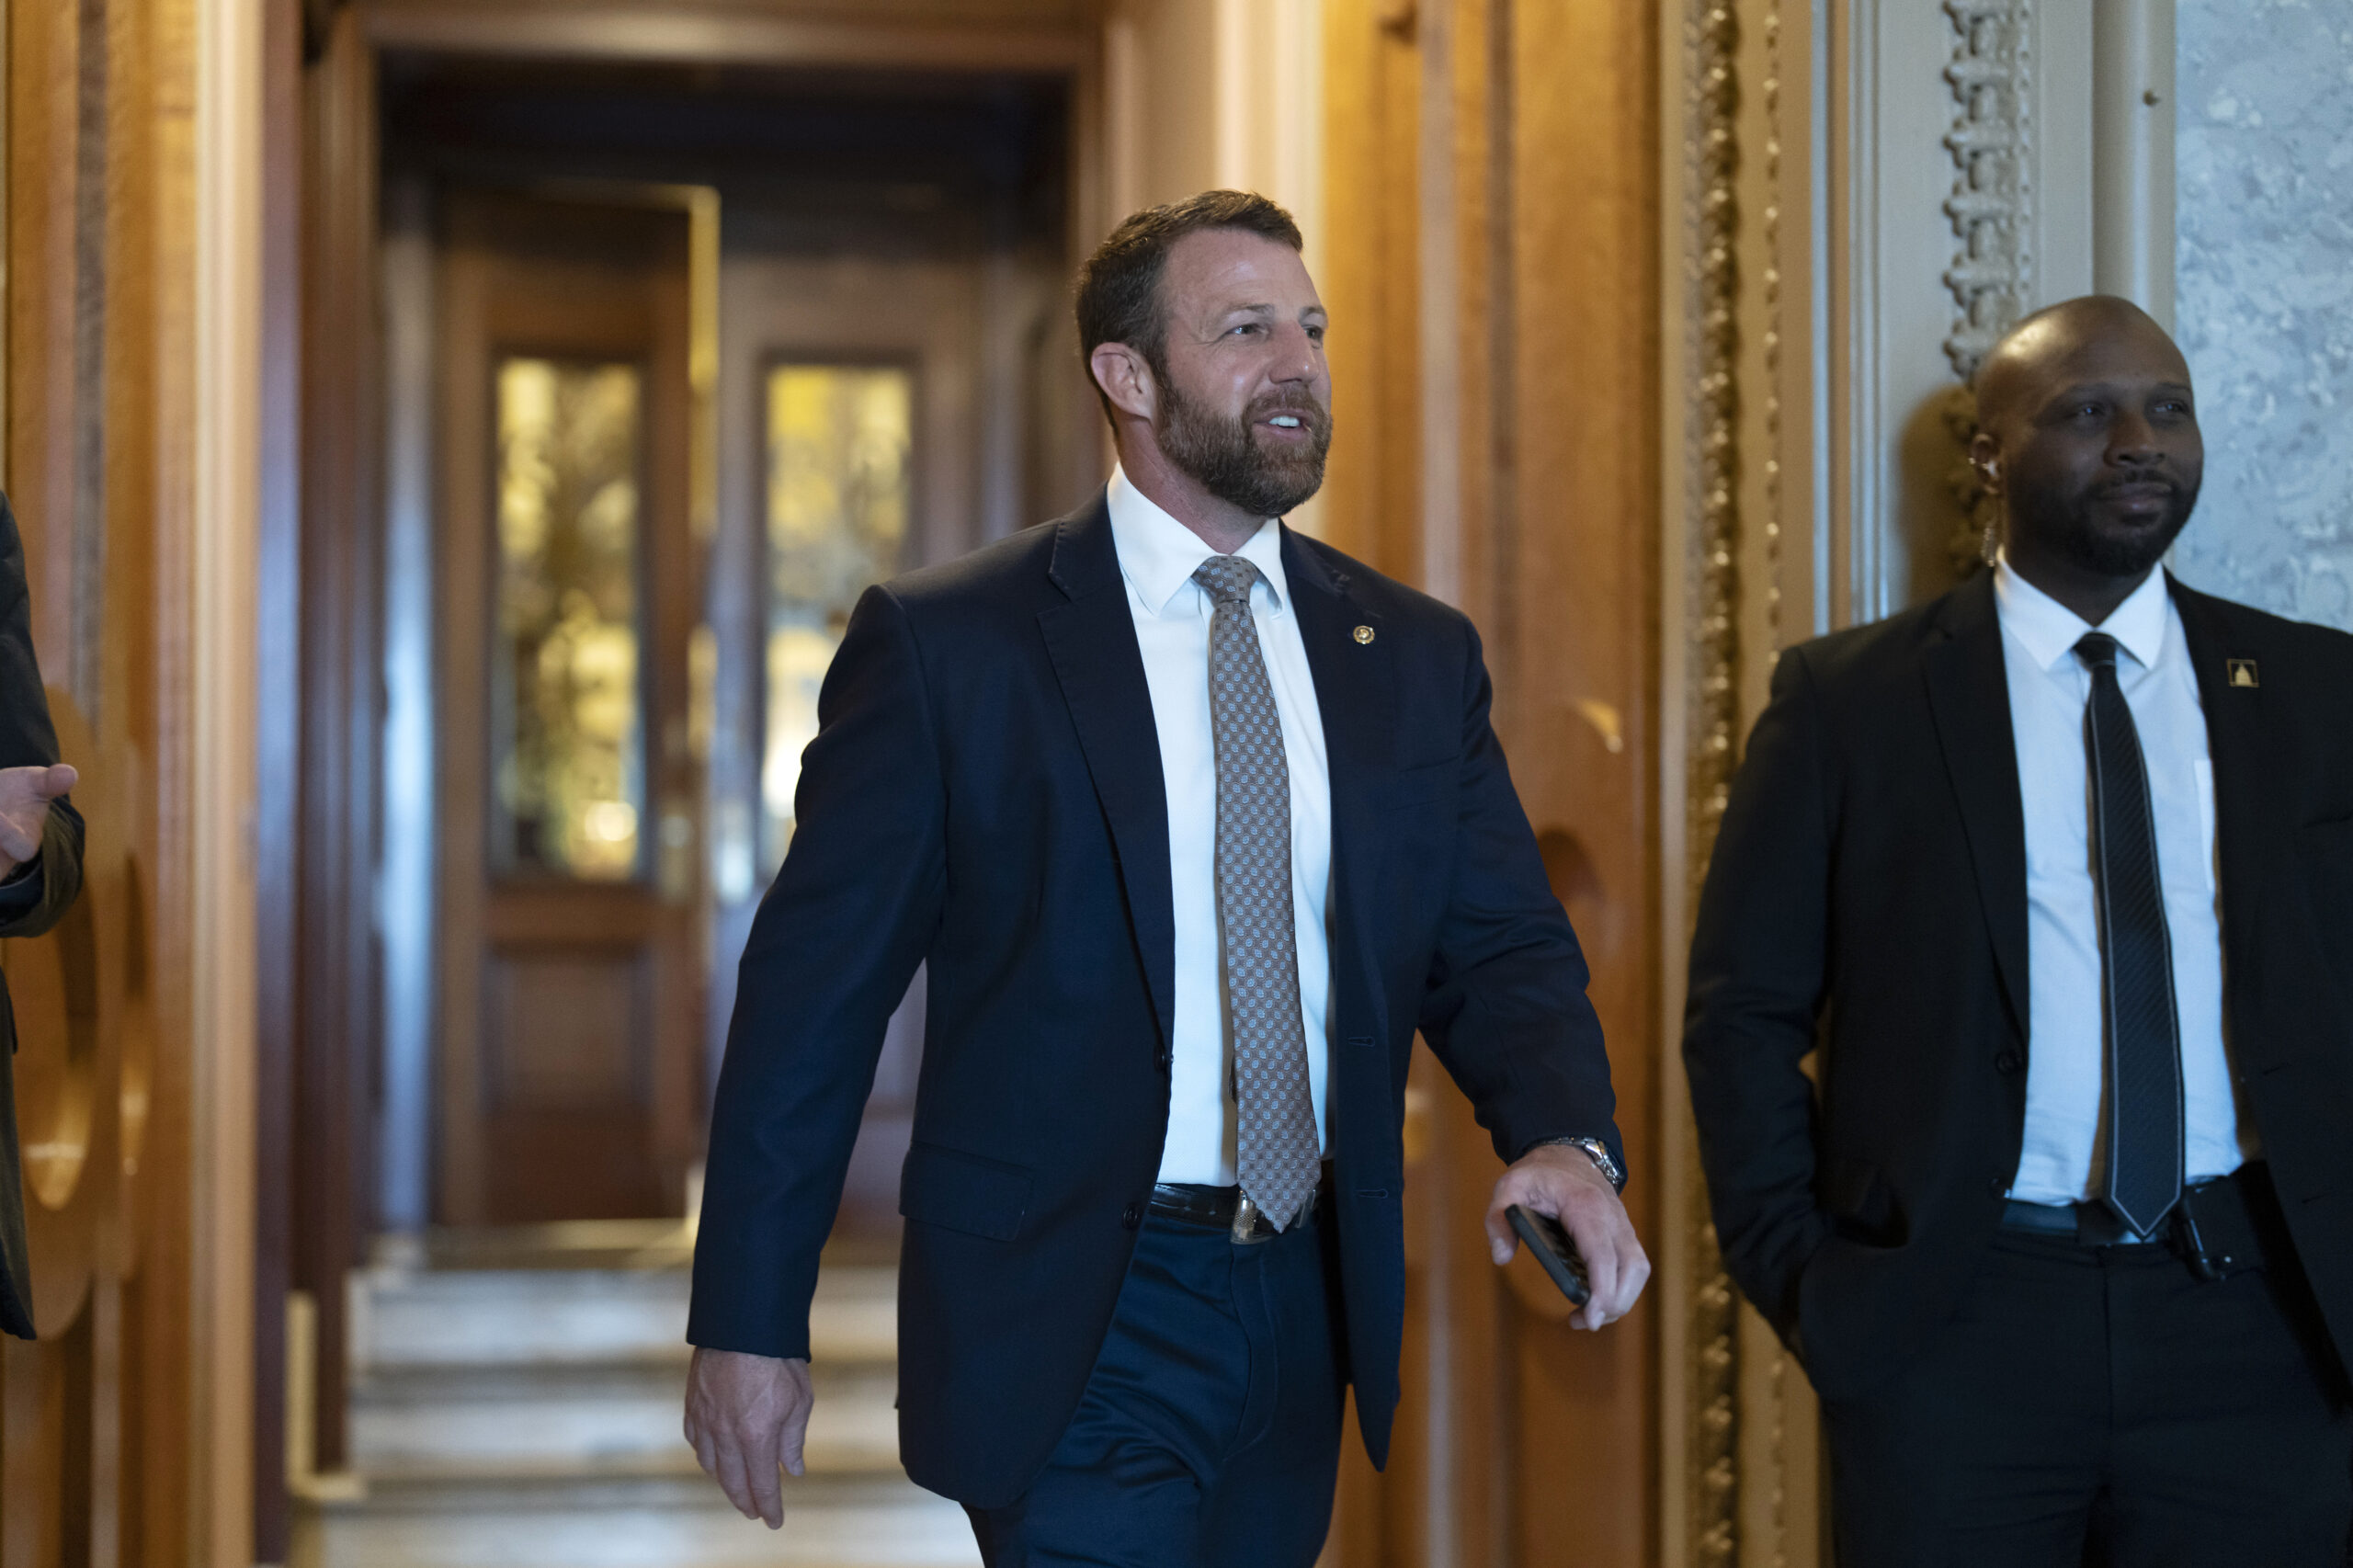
1196, 821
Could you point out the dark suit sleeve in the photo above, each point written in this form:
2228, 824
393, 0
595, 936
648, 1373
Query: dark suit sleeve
28, 739
831, 954
1505, 1009
1759, 975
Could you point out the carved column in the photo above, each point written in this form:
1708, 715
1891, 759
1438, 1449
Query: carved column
1711, 459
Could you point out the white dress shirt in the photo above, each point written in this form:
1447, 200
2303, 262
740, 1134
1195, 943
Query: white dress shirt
2066, 1091
1158, 558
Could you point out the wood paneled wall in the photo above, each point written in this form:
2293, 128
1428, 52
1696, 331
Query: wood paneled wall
1371, 281
96, 1460
1493, 275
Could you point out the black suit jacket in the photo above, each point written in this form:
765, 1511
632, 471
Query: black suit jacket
985, 794
32, 904
1869, 893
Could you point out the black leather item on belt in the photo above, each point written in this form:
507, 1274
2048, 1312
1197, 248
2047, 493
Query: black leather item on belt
1213, 1208
2214, 1227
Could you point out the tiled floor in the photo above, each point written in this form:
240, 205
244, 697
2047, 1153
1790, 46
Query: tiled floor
514, 1404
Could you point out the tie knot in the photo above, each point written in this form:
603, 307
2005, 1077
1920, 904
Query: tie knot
1228, 579
2097, 650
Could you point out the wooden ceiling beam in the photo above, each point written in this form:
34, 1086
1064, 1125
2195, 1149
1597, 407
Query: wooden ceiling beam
686, 34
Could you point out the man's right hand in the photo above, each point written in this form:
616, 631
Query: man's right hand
747, 1416
24, 795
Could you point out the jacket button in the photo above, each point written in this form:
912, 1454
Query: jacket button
1998, 1187
2009, 1061
1131, 1216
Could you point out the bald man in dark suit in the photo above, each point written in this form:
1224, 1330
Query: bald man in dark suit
2057, 871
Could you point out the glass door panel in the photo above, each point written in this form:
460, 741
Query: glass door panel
568, 748
839, 492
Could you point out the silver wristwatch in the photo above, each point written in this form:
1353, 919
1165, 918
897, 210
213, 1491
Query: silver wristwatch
1595, 1151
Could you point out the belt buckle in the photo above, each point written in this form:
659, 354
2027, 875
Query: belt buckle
1246, 1222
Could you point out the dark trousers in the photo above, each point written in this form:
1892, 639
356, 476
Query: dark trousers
2104, 1406
1209, 1435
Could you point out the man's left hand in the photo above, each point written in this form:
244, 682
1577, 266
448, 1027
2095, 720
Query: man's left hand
1560, 1180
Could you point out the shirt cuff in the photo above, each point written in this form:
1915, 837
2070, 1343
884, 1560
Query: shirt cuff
22, 888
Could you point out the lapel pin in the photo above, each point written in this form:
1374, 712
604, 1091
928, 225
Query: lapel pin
1364, 634
2242, 672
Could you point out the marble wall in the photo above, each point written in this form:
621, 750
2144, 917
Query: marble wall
2264, 304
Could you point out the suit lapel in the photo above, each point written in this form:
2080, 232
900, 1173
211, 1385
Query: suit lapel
1091, 638
2247, 809
1355, 696
1355, 688
1968, 697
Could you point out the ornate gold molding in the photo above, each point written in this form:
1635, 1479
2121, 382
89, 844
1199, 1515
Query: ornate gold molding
1772, 1509
1711, 526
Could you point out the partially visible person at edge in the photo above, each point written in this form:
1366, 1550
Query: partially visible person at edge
1196, 821
41, 872
2058, 871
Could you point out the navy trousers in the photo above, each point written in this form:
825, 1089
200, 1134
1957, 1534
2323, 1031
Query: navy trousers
1209, 1435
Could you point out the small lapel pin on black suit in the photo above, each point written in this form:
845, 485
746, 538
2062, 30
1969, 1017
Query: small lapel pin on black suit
2242, 672
1364, 634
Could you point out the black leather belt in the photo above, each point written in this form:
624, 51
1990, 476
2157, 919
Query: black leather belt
1224, 1208
2216, 1227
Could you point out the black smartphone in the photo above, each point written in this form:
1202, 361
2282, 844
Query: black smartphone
1544, 1236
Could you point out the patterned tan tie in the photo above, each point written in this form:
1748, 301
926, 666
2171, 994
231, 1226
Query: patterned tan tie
1276, 1143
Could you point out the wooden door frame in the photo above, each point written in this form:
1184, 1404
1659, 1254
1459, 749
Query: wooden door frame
341, 658
277, 788
319, 656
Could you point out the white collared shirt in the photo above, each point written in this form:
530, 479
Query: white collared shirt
1158, 558
2048, 686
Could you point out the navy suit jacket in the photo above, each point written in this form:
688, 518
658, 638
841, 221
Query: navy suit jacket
985, 793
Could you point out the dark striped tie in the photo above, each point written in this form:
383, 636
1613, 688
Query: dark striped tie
2143, 1132
1276, 1149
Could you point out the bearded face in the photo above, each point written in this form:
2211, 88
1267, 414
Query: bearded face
2101, 529
1266, 460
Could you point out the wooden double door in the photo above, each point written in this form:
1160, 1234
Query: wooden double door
651, 535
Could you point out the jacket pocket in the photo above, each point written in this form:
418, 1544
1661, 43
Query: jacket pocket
1860, 1203
2333, 834
1411, 787
963, 1192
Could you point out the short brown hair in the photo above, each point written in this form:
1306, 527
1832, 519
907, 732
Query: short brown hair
1119, 286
